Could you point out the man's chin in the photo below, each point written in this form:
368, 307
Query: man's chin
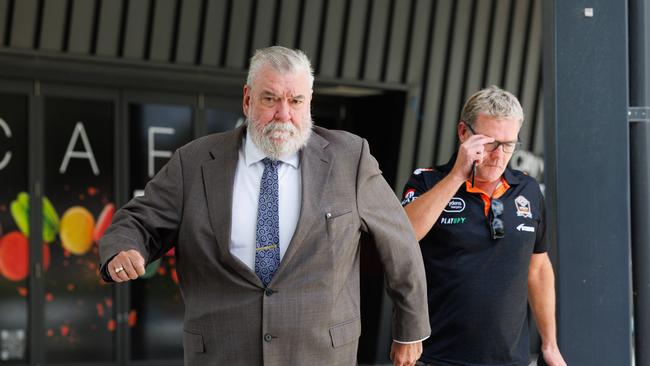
491, 174
280, 150
279, 142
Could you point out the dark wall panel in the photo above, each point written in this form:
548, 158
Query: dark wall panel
455, 75
516, 47
379, 27
288, 21
135, 33
498, 42
81, 26
236, 56
23, 24
417, 55
478, 48
4, 18
109, 29
214, 31
529, 91
354, 38
397, 45
162, 31
188, 31
264, 24
53, 25
435, 92
332, 37
538, 139
311, 29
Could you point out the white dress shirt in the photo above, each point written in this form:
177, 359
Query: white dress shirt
246, 193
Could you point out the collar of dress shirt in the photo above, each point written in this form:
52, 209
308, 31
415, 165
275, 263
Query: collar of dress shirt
252, 154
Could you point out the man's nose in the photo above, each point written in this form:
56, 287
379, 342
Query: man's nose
498, 151
283, 111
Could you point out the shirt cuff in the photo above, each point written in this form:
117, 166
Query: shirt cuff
104, 271
409, 342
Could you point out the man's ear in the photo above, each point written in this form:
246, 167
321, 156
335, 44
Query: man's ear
463, 131
246, 102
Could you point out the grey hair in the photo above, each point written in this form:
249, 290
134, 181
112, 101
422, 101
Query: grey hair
281, 59
494, 102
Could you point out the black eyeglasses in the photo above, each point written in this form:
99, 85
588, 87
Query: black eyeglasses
507, 146
496, 226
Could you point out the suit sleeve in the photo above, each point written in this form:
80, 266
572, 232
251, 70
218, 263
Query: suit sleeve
148, 224
384, 219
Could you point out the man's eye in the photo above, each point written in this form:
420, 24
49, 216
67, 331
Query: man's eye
297, 101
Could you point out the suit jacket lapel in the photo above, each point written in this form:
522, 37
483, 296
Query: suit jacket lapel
314, 170
218, 181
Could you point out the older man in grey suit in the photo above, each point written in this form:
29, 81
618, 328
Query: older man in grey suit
266, 221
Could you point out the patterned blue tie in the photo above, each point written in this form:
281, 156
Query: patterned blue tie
267, 238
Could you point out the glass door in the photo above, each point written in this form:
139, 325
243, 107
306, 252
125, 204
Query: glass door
14, 227
80, 319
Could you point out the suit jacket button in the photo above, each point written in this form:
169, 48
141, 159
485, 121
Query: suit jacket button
268, 337
268, 291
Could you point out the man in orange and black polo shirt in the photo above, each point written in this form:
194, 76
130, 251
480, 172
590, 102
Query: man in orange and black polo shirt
481, 230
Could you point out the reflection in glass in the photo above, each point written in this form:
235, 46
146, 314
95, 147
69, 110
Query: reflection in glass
156, 307
14, 229
80, 319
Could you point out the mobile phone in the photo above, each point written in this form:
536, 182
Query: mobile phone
473, 172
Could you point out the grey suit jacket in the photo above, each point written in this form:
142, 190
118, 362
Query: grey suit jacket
310, 313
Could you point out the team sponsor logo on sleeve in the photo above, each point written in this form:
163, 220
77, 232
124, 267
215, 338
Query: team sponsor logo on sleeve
409, 196
420, 170
456, 204
523, 207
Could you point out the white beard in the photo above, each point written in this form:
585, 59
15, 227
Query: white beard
292, 138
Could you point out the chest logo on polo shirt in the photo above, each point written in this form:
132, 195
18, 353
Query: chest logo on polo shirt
456, 204
452, 220
523, 207
523, 227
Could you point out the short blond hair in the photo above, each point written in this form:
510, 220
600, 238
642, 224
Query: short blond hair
494, 102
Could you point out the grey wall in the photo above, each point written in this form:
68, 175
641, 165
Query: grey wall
442, 50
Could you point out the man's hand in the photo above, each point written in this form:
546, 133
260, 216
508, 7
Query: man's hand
470, 151
125, 266
405, 354
552, 356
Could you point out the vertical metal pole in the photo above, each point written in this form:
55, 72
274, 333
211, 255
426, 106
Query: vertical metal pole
36, 286
640, 173
640, 179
